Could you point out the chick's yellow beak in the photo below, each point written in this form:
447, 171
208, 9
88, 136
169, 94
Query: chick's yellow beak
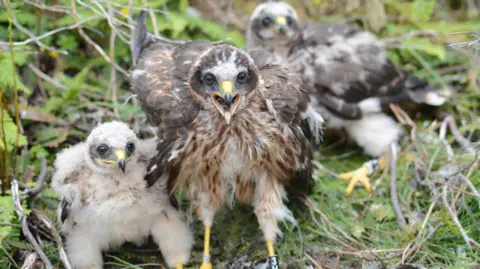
226, 100
121, 159
281, 22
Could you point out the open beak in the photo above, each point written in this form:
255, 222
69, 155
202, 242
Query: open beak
227, 100
281, 22
121, 159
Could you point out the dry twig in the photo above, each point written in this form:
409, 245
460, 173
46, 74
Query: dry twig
393, 188
30, 260
40, 180
47, 78
92, 43
47, 224
26, 231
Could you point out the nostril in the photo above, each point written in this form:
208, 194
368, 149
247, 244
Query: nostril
220, 100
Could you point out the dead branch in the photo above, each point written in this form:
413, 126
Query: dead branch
47, 78
92, 43
48, 224
34, 38
393, 188
26, 231
32, 192
58, 30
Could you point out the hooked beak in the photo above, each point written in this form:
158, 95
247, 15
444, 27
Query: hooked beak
227, 100
281, 21
121, 159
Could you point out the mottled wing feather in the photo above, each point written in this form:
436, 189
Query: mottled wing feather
65, 208
289, 99
159, 81
346, 66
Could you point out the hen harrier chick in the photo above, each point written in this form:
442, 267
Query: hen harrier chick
348, 74
105, 201
229, 127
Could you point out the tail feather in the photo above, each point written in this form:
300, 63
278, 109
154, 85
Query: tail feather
139, 36
420, 91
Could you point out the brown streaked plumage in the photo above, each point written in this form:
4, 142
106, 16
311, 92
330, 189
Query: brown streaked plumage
230, 125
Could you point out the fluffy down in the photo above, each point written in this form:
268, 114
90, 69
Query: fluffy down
102, 207
374, 133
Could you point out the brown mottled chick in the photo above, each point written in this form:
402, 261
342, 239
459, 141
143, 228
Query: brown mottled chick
231, 126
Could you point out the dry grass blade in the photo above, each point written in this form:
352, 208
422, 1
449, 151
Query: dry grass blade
451, 212
393, 187
310, 205
416, 244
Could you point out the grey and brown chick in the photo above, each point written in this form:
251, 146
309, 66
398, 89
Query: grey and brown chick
350, 78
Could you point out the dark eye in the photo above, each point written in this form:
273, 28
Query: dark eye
209, 79
289, 20
242, 77
267, 21
102, 149
130, 148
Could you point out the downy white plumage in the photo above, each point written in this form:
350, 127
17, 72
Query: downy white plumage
105, 201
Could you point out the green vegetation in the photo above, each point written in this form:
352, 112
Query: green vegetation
64, 83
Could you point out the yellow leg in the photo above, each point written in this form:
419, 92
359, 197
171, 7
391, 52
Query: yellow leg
178, 266
272, 258
271, 251
206, 264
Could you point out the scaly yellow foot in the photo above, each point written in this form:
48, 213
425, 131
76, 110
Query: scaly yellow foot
360, 175
178, 266
206, 264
